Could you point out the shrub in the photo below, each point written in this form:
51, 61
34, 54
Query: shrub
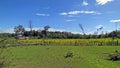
114, 56
69, 54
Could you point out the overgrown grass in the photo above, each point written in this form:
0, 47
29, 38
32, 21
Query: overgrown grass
6, 57
53, 57
63, 42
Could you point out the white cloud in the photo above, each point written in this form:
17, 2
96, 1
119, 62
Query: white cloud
52, 29
88, 12
85, 3
9, 30
115, 21
28, 29
76, 32
62, 30
103, 2
79, 12
39, 14
64, 13
99, 26
73, 12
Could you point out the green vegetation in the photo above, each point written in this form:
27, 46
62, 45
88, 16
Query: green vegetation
53, 57
6, 57
63, 42
114, 56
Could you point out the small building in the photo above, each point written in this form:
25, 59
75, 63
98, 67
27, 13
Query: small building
20, 37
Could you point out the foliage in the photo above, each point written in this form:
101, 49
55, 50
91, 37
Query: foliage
69, 54
19, 30
46, 27
114, 56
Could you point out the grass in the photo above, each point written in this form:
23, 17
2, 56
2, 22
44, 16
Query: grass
53, 57
63, 42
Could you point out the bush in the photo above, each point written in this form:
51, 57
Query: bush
114, 56
69, 54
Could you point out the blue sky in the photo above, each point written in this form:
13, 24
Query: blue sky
63, 15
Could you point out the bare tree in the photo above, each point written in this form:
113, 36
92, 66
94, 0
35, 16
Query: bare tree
81, 27
30, 25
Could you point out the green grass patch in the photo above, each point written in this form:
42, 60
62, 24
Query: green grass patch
53, 57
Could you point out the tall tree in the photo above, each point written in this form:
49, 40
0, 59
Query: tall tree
46, 27
45, 30
19, 30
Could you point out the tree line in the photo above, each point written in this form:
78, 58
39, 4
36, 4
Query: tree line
20, 30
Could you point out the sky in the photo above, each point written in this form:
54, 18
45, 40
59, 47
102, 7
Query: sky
60, 15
